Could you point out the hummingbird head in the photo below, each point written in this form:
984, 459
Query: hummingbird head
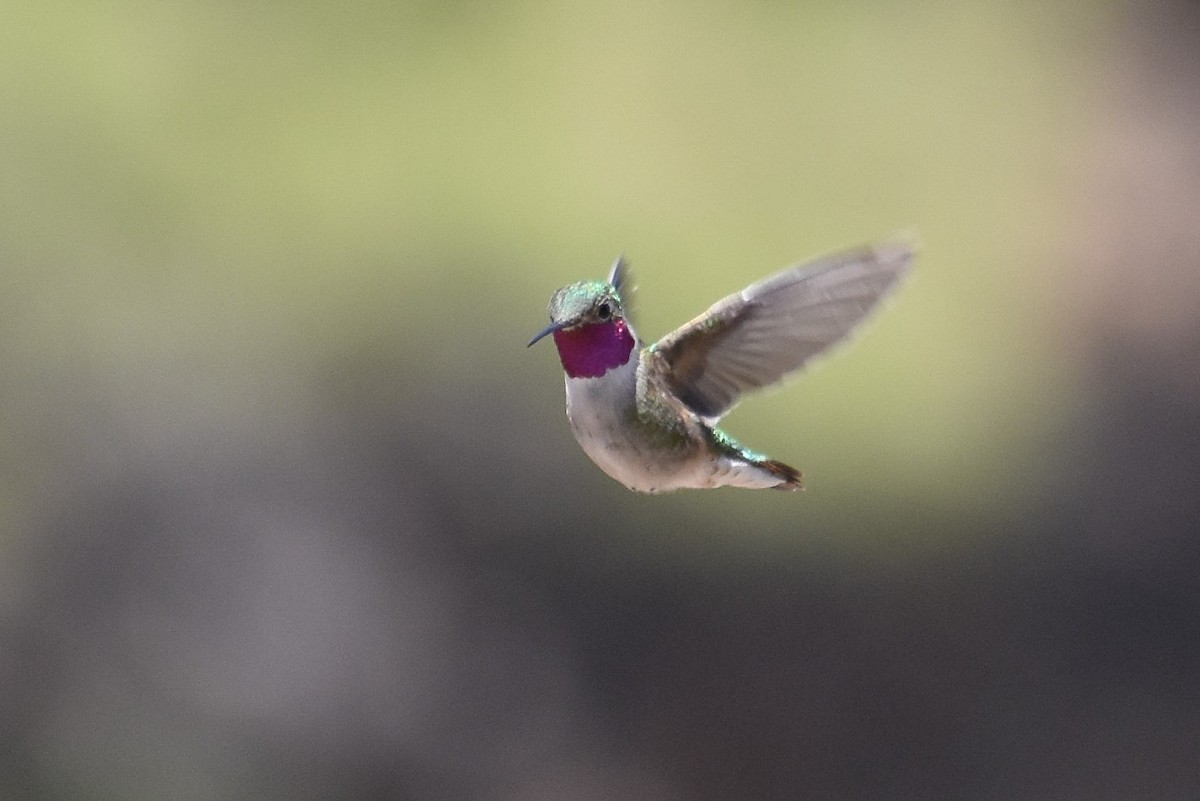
589, 325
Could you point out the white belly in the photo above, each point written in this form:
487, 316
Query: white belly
602, 410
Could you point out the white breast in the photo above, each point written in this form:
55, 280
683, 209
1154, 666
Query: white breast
601, 411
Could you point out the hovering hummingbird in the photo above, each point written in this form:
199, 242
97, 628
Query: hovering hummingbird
647, 415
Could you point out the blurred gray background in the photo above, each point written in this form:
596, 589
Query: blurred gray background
288, 511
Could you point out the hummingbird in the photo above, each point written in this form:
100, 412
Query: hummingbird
647, 415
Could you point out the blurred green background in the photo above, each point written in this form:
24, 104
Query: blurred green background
289, 511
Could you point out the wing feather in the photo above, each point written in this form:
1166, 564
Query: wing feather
756, 337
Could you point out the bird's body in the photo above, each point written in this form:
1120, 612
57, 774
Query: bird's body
638, 433
646, 415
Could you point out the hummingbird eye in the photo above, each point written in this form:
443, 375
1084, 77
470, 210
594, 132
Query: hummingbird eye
604, 311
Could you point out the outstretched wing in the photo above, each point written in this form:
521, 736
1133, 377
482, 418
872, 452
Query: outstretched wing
757, 336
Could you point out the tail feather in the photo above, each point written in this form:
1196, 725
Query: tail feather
750, 466
790, 477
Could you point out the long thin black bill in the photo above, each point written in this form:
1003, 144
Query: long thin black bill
550, 329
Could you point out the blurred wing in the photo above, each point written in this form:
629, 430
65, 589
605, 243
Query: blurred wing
756, 337
621, 277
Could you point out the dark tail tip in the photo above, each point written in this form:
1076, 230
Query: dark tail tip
790, 478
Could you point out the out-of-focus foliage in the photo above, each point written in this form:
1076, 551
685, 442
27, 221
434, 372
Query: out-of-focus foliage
256, 189
287, 510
